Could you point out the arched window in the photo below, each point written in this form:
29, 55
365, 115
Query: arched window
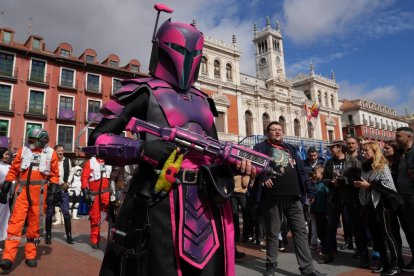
266, 121
332, 101
249, 123
296, 124
311, 130
217, 68
229, 73
320, 98
203, 65
326, 99
282, 121
308, 95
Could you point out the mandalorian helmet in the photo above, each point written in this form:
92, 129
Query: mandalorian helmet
37, 138
176, 54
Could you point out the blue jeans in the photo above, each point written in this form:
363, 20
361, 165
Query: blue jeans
61, 201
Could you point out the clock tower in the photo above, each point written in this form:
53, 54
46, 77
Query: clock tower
270, 62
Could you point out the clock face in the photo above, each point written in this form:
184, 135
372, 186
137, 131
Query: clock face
262, 61
278, 61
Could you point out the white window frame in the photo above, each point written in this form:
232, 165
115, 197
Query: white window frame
44, 98
68, 96
224, 110
74, 76
112, 88
100, 81
14, 60
30, 69
9, 120
73, 135
11, 92
92, 99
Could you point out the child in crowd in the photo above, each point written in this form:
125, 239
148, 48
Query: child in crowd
319, 205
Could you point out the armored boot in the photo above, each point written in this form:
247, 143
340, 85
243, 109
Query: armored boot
48, 227
68, 230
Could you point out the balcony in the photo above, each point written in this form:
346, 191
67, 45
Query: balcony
39, 81
377, 125
94, 89
7, 109
9, 75
371, 123
68, 115
350, 123
365, 122
68, 85
95, 117
35, 112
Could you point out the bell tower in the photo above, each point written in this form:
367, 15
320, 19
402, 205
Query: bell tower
270, 62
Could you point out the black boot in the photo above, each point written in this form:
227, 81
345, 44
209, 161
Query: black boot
270, 269
68, 230
48, 227
6, 264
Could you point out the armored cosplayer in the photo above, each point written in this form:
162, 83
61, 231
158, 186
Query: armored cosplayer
175, 218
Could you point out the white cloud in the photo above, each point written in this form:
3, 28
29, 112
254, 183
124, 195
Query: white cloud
303, 65
386, 95
307, 21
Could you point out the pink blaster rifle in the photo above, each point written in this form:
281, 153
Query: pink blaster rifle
227, 151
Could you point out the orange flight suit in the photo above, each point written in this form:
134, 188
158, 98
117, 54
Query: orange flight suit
101, 201
21, 208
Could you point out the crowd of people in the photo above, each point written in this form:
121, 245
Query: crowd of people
366, 188
39, 185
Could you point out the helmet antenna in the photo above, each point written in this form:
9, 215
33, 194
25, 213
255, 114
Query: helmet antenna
160, 8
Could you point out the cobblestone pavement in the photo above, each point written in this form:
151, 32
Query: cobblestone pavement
80, 259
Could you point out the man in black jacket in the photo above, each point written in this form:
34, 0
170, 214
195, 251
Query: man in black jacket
284, 193
339, 175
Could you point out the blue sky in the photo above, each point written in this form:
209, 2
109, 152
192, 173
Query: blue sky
368, 43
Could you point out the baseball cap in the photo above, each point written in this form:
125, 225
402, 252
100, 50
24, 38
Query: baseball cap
340, 143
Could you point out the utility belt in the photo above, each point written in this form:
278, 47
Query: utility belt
215, 181
94, 193
188, 177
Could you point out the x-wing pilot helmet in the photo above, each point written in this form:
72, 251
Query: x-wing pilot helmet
37, 138
176, 54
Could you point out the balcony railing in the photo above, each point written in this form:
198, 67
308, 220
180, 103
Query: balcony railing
9, 75
34, 112
64, 84
6, 108
95, 117
94, 89
66, 114
377, 125
371, 123
365, 122
42, 81
351, 123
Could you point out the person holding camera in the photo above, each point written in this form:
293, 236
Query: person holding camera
339, 174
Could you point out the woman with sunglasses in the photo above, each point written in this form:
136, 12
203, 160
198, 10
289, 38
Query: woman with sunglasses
376, 183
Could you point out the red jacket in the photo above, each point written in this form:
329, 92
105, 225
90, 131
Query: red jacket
94, 184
